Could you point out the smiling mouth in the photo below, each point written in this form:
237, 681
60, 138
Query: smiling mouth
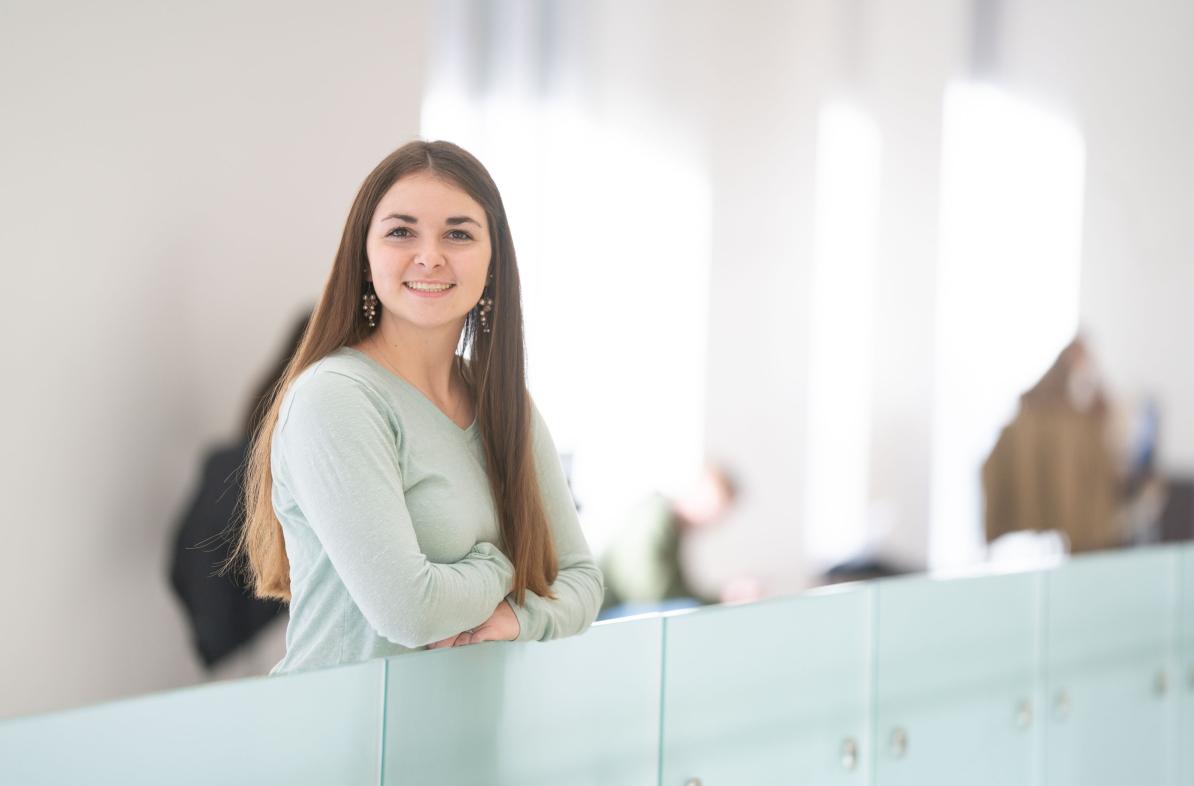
420, 286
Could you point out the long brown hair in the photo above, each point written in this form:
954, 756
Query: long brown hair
495, 371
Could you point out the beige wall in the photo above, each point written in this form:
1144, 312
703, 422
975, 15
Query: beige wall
174, 181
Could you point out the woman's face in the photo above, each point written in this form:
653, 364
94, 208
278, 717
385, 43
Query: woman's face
429, 252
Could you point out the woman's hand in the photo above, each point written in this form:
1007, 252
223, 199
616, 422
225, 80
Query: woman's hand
502, 625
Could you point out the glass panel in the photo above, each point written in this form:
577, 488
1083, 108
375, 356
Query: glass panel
1109, 635
772, 692
581, 710
317, 728
956, 680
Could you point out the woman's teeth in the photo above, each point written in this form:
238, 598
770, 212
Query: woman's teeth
429, 287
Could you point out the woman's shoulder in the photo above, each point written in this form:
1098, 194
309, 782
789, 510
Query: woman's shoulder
341, 369
340, 385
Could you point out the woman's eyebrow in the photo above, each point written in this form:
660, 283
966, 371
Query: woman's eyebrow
453, 221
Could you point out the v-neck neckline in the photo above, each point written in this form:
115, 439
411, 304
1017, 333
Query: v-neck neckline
391, 374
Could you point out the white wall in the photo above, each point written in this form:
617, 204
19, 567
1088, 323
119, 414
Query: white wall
912, 56
771, 61
173, 180
1119, 72
778, 65
1125, 73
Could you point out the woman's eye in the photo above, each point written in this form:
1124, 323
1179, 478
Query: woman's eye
460, 234
393, 232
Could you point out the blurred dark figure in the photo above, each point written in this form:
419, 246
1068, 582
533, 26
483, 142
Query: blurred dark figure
1055, 465
224, 616
1159, 507
642, 566
1145, 489
1177, 514
862, 568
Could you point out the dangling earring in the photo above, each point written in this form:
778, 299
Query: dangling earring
483, 309
369, 304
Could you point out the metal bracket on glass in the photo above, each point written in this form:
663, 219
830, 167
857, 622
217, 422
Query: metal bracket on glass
849, 753
899, 742
1061, 707
1161, 683
1024, 714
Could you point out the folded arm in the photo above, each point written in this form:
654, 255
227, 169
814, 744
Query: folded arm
337, 449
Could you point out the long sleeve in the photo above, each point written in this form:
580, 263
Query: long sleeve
337, 450
578, 586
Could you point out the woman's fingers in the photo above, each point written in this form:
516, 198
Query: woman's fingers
502, 625
483, 633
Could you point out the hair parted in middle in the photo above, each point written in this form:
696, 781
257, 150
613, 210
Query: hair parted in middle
495, 371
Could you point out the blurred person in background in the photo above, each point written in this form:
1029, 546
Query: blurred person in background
1056, 466
224, 616
400, 495
1146, 492
642, 563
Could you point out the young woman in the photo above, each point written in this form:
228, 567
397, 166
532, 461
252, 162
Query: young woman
400, 495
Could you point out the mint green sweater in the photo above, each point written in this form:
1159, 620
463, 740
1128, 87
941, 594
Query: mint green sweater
390, 527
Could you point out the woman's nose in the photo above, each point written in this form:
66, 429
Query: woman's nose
429, 255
